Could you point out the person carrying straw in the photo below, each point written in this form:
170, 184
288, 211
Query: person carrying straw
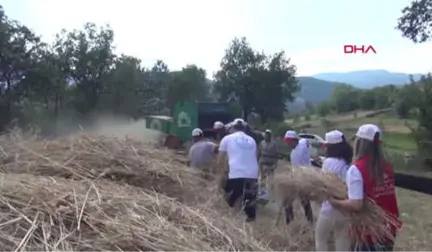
371, 176
339, 155
241, 151
300, 158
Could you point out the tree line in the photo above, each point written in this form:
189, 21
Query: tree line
79, 75
347, 98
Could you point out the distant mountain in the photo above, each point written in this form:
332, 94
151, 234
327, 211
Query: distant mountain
368, 78
312, 90
315, 90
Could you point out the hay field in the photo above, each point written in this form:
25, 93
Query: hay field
106, 191
94, 191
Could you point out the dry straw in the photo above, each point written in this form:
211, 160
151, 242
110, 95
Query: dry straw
88, 192
46, 213
101, 157
316, 185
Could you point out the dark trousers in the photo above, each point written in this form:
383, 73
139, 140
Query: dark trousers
388, 246
243, 188
289, 211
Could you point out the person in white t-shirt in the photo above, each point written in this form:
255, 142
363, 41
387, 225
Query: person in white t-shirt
331, 221
201, 153
300, 158
241, 151
371, 176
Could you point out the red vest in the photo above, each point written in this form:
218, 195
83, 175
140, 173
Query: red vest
383, 195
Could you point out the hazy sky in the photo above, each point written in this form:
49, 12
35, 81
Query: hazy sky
180, 32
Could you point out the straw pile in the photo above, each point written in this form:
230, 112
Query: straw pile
316, 185
90, 192
42, 213
86, 156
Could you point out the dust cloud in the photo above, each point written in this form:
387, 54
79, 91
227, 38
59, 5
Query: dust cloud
106, 125
126, 128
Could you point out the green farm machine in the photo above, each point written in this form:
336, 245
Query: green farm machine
187, 116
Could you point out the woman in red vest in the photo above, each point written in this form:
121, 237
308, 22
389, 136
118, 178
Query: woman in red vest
371, 176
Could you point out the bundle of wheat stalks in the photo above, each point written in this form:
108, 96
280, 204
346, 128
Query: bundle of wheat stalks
316, 185
92, 192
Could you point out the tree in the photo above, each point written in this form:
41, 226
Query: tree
119, 94
18, 46
345, 98
416, 21
160, 80
258, 82
236, 78
406, 99
189, 84
87, 57
424, 103
324, 108
384, 96
367, 100
276, 85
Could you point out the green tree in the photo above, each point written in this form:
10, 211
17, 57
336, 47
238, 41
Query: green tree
424, 104
416, 21
345, 98
237, 76
367, 100
189, 84
406, 99
87, 57
324, 108
258, 82
276, 85
18, 49
119, 94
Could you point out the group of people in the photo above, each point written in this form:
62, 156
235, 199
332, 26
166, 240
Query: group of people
368, 174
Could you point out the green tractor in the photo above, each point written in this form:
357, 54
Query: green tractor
186, 117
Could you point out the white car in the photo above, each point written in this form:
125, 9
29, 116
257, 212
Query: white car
317, 144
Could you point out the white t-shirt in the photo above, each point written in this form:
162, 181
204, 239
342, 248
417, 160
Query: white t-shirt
354, 181
300, 155
338, 167
241, 150
201, 153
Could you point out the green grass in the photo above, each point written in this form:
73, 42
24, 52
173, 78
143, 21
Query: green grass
385, 119
399, 142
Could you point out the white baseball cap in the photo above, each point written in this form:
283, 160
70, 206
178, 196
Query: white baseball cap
218, 125
290, 134
334, 137
238, 121
268, 131
368, 131
197, 132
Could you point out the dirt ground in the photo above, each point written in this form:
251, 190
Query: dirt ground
415, 210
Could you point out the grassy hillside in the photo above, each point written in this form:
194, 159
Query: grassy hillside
315, 90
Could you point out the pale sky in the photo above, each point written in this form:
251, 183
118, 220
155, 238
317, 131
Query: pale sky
180, 32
